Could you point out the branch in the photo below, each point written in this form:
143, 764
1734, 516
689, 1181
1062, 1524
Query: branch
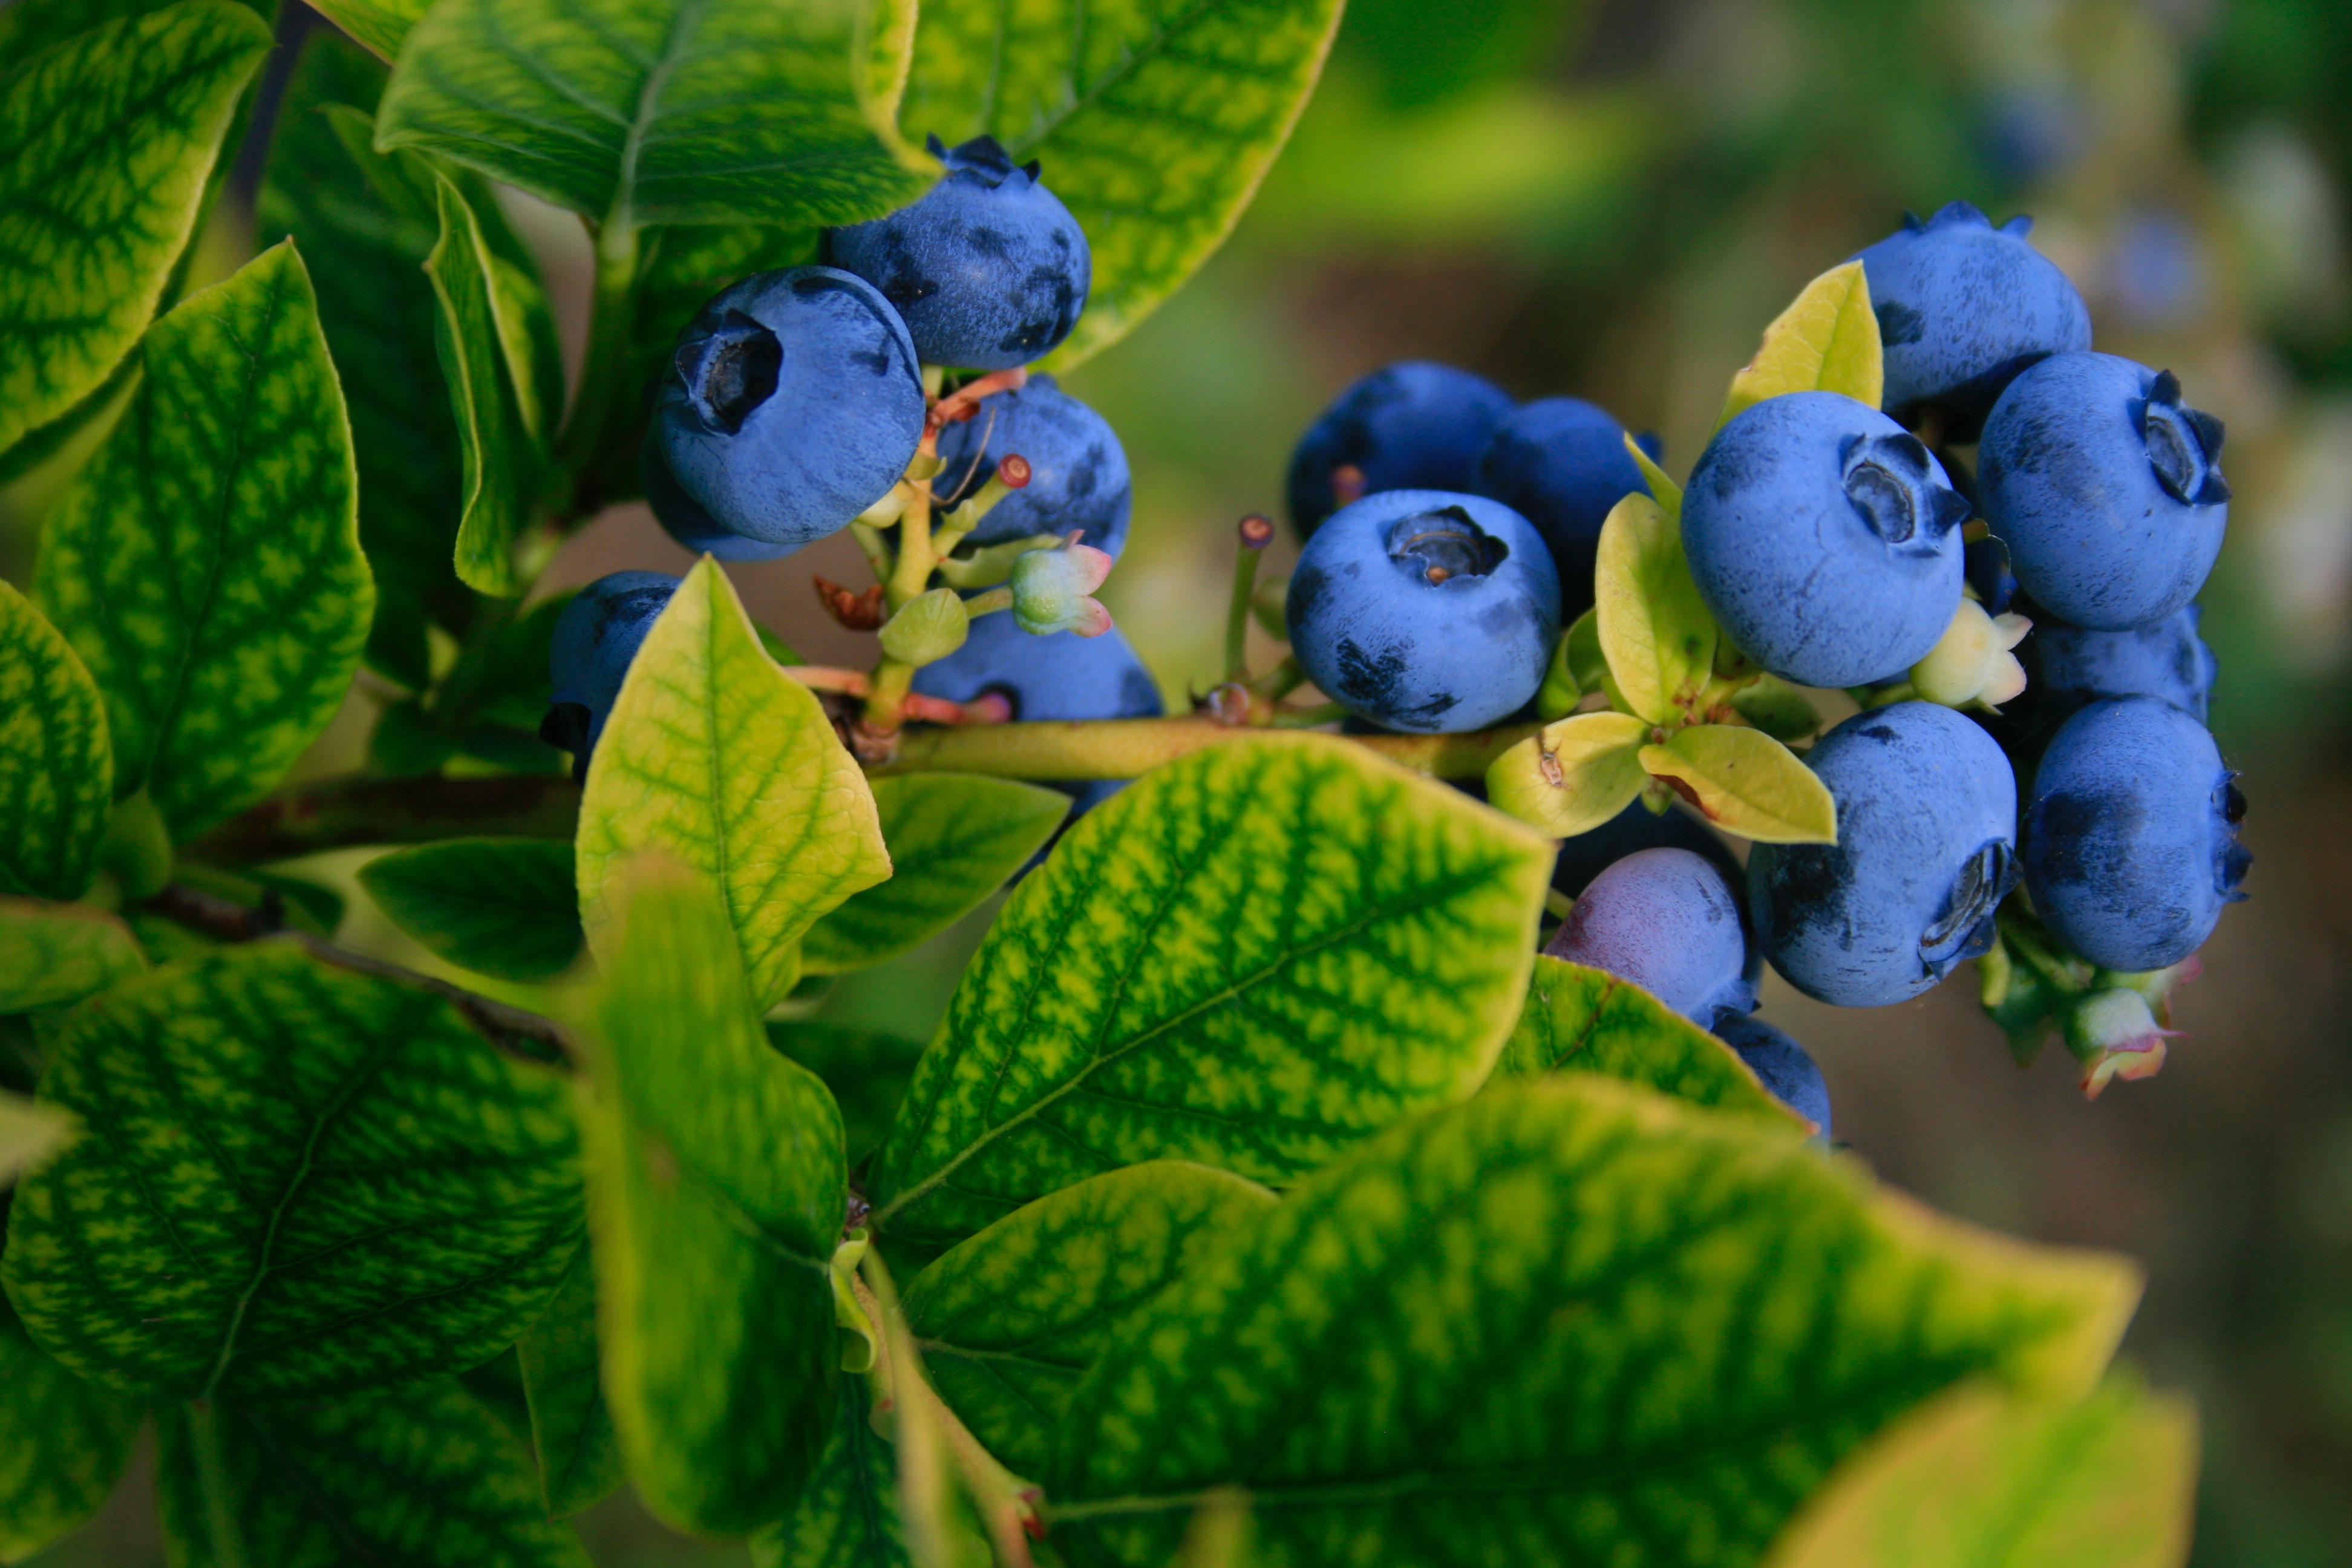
335, 814
1124, 747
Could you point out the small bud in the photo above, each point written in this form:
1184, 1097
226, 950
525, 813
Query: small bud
2115, 1035
857, 612
1971, 663
1051, 589
1228, 703
1256, 531
927, 628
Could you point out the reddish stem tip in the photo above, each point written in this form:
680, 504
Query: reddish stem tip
1256, 531
1014, 469
1347, 483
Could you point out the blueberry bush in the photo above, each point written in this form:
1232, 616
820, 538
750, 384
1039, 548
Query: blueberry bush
1350, 1142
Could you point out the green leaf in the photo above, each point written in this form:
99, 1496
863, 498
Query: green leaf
52, 955
63, 1444
654, 111
31, 1133
719, 759
56, 771
1571, 778
29, 27
489, 393
1744, 782
1656, 631
1155, 124
1980, 1478
1781, 711
953, 840
579, 1461
106, 143
1009, 1321
206, 564
503, 907
866, 1070
380, 25
292, 1180
1668, 494
424, 1477
1570, 1318
717, 1193
1253, 957
847, 1516
1588, 1020
1826, 341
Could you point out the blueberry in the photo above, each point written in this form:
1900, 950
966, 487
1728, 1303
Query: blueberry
1825, 539
1926, 814
988, 267
1587, 854
1962, 308
1788, 1073
1561, 463
683, 518
1078, 471
1426, 611
2131, 835
595, 637
2069, 667
1411, 425
1667, 920
793, 403
1059, 676
2107, 490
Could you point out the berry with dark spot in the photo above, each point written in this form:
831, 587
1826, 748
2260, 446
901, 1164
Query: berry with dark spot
1425, 610
1078, 471
1668, 921
683, 518
988, 268
1926, 814
588, 656
2131, 835
2107, 489
1561, 463
1411, 425
1962, 308
1788, 1073
792, 403
1825, 539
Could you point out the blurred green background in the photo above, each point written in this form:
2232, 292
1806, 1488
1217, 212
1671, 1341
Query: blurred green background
1610, 199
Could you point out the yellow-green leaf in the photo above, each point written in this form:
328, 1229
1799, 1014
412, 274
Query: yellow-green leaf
380, 25
1826, 341
206, 564
30, 1131
489, 393
1744, 782
56, 771
719, 759
1587, 1020
1571, 778
1984, 1478
107, 142
52, 955
63, 1442
1781, 711
1668, 494
1655, 630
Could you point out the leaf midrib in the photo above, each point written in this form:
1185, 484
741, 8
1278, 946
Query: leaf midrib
682, 22
1146, 52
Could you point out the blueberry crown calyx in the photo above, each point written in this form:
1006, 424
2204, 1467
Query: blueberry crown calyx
1965, 926
1965, 215
1889, 481
2184, 445
1439, 546
730, 371
983, 160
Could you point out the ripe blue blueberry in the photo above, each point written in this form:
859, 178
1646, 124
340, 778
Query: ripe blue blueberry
595, 637
1425, 610
988, 267
1825, 539
1667, 920
2107, 490
1587, 854
793, 403
1411, 425
1962, 308
1788, 1073
1078, 471
2068, 667
683, 518
1927, 815
1561, 463
2131, 835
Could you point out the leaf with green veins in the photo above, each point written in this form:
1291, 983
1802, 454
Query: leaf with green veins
1570, 1312
1252, 957
1009, 1320
716, 1196
206, 564
655, 112
1826, 341
425, 1477
1781, 711
847, 1515
380, 25
29, 27
56, 769
292, 1180
1662, 490
953, 839
53, 955
866, 1070
63, 1442
1656, 631
1979, 1478
579, 1461
717, 758
501, 907
1155, 124
106, 144
1571, 778
502, 456
1587, 1020
1744, 782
